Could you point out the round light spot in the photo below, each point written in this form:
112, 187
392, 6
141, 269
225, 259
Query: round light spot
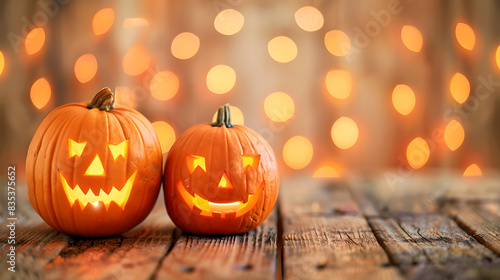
417, 153
344, 133
339, 83
236, 116
34, 40
221, 79
279, 106
164, 85
337, 43
403, 99
85, 68
102, 21
309, 18
297, 152
282, 49
229, 22
326, 172
465, 36
2, 63
136, 60
454, 135
185, 45
412, 38
40, 93
166, 135
473, 170
498, 57
459, 87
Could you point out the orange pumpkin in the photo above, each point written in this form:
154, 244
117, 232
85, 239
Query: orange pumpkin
94, 170
220, 178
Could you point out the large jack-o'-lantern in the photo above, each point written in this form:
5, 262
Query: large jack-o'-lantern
220, 178
94, 170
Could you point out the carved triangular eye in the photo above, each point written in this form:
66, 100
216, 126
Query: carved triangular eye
193, 161
119, 149
75, 148
250, 160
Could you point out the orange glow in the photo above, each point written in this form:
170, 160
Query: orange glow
344, 133
221, 79
454, 135
225, 183
417, 153
297, 152
2, 63
279, 106
337, 43
124, 96
250, 160
326, 172
136, 60
75, 148
229, 22
282, 49
309, 18
412, 38
497, 58
473, 171
85, 68
119, 149
120, 197
185, 45
339, 83
193, 161
459, 87
164, 85
102, 21
403, 99
465, 36
236, 116
166, 135
133, 22
34, 40
40, 93
95, 168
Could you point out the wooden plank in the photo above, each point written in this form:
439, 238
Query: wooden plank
246, 256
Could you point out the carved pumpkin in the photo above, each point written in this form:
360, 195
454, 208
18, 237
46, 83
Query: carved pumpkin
220, 178
94, 170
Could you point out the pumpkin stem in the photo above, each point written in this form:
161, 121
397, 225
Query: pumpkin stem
104, 100
223, 117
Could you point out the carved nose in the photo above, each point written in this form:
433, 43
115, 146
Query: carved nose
95, 168
225, 182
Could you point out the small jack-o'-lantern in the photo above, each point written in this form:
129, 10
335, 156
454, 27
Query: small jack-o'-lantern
94, 170
220, 178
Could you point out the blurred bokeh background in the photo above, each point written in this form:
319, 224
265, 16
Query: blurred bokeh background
336, 87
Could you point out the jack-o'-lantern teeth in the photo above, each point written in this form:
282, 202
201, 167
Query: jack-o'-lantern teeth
225, 210
120, 197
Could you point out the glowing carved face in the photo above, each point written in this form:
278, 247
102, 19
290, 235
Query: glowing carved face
95, 175
196, 165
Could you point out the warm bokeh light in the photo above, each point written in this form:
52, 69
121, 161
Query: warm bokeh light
125, 96
498, 57
134, 22
418, 153
85, 68
166, 135
412, 38
102, 21
34, 40
2, 63
339, 83
454, 135
185, 45
221, 79
459, 87
136, 60
236, 116
229, 22
309, 18
40, 93
279, 106
403, 99
164, 85
473, 171
282, 49
297, 152
465, 36
326, 172
344, 133
337, 43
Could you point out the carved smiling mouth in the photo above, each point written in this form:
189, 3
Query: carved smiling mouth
120, 197
207, 208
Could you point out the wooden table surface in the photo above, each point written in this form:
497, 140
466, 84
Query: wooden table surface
421, 227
